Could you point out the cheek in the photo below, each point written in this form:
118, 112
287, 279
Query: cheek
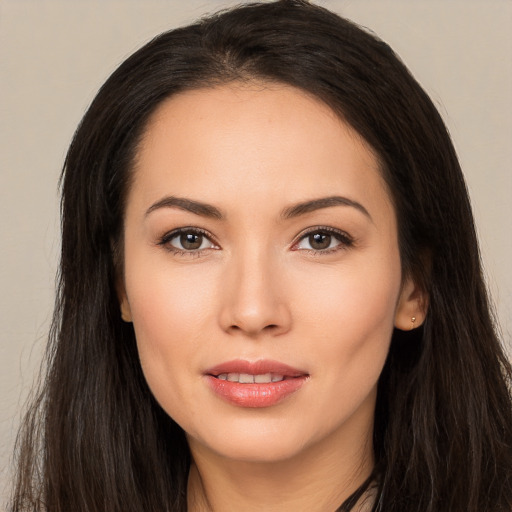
350, 315
166, 298
362, 296
171, 311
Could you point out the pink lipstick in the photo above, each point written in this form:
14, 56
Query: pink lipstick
254, 384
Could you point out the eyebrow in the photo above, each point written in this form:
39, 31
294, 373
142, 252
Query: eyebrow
189, 205
296, 210
323, 202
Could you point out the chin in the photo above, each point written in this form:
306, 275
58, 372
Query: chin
258, 448
261, 440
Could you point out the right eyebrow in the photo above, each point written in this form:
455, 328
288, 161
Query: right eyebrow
189, 205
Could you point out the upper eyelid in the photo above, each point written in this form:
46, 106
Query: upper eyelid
327, 229
168, 236
188, 229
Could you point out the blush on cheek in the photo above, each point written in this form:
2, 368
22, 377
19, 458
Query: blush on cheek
359, 316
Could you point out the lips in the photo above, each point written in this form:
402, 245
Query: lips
254, 384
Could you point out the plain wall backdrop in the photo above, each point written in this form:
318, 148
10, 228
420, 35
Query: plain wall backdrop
54, 55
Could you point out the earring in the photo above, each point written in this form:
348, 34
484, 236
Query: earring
413, 319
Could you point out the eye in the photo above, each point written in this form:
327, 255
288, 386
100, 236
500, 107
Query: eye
323, 240
184, 240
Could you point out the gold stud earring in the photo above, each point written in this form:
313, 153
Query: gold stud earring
413, 319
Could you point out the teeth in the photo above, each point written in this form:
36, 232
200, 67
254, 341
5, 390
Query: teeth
263, 379
246, 378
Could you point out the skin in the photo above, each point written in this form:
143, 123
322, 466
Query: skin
258, 289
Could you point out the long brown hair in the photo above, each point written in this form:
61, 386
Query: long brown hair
96, 440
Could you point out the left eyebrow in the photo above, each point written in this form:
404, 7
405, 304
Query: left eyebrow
324, 202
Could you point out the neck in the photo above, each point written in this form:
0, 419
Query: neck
318, 479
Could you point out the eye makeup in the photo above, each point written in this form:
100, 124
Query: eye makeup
188, 241
322, 240
193, 241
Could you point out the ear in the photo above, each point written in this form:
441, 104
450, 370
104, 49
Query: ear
412, 306
124, 305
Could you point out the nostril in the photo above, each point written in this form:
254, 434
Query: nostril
268, 328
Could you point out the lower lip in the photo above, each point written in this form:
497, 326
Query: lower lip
255, 395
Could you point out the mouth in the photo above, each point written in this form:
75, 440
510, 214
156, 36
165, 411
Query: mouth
255, 384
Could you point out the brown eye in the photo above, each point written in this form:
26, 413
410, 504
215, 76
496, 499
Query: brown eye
187, 240
319, 241
324, 240
191, 241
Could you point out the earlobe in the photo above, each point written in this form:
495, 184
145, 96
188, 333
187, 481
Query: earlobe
412, 307
126, 313
124, 306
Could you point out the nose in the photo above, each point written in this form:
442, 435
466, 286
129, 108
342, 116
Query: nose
253, 297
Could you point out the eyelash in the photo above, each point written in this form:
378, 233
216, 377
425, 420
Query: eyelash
345, 240
166, 239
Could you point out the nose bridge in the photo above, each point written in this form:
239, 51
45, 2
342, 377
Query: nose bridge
253, 296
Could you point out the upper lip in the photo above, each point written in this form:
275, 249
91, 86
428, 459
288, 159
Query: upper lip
260, 367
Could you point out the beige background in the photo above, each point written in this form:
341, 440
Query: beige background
54, 55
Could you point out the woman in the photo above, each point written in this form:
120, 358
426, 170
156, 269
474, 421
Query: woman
271, 295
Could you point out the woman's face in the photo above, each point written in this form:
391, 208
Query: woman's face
261, 271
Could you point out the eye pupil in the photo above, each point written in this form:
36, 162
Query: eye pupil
191, 241
319, 241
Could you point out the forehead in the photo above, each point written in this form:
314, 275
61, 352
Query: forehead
249, 140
